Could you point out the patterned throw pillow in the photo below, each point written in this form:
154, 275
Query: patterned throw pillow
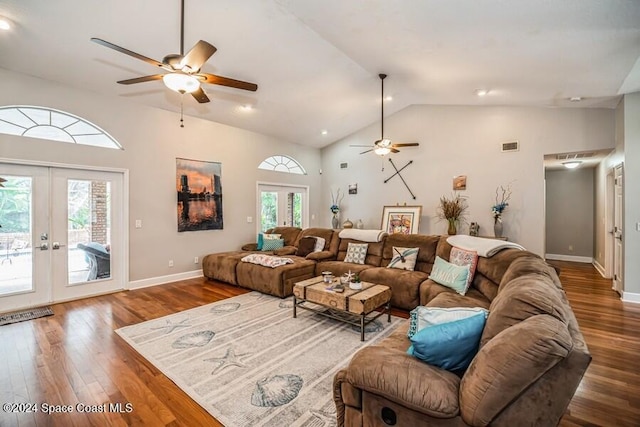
464, 257
264, 236
356, 253
450, 275
272, 244
404, 258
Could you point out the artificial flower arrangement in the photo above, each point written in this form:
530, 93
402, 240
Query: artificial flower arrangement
502, 201
335, 202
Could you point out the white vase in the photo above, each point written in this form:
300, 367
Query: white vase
335, 222
497, 228
359, 224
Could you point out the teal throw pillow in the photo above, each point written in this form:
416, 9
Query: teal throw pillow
450, 275
451, 346
272, 244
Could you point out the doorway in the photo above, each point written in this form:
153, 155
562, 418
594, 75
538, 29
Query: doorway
618, 247
59, 231
282, 205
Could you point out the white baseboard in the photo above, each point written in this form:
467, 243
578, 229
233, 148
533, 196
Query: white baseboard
631, 297
600, 268
154, 281
574, 258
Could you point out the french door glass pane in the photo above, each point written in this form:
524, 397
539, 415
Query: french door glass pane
89, 230
295, 209
269, 209
16, 260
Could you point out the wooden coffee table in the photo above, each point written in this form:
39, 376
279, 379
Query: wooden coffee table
351, 306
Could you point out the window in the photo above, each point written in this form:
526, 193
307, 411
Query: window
282, 164
47, 123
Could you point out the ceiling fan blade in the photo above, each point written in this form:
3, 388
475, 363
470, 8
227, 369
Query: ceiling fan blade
406, 144
225, 81
141, 79
127, 52
200, 96
197, 56
364, 152
393, 150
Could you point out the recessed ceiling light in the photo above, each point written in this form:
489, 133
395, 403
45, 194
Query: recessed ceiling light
5, 24
572, 165
324, 132
481, 92
575, 99
246, 107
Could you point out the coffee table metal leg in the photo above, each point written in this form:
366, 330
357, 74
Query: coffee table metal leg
362, 327
389, 312
294, 306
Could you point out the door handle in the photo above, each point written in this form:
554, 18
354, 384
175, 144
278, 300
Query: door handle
44, 246
57, 245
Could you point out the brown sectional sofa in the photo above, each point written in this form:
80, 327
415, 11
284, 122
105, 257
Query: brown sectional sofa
532, 355
531, 360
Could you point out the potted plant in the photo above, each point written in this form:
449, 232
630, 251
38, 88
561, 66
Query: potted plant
453, 210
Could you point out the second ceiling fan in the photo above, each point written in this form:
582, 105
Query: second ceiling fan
384, 146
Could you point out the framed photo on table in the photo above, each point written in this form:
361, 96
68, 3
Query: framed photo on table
401, 219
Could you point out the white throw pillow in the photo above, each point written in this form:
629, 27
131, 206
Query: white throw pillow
356, 253
423, 317
404, 258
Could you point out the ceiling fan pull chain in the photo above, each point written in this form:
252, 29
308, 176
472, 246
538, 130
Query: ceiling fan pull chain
181, 110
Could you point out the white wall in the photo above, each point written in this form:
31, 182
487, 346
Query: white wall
152, 139
457, 140
569, 212
631, 196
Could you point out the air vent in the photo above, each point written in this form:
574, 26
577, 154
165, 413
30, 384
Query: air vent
510, 146
343, 165
573, 156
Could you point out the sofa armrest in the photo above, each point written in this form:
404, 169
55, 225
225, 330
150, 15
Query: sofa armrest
287, 250
405, 380
321, 256
250, 247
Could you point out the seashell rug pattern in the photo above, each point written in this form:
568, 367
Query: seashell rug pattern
248, 362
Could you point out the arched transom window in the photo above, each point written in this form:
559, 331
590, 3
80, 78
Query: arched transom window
282, 164
47, 123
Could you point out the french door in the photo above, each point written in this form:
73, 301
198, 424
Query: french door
282, 205
618, 248
61, 234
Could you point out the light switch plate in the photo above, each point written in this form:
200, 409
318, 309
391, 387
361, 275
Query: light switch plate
138, 223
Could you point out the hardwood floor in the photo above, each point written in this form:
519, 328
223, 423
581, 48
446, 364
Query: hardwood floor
75, 357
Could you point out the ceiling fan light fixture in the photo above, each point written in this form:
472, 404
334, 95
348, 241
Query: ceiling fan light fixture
382, 151
180, 82
5, 24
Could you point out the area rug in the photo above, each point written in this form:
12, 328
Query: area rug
21, 316
248, 362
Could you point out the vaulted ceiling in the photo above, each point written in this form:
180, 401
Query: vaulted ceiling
316, 62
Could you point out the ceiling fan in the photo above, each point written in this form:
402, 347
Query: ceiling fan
183, 74
384, 146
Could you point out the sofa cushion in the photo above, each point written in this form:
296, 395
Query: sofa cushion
509, 364
450, 275
522, 298
404, 284
306, 245
450, 298
289, 234
356, 253
450, 345
530, 265
404, 258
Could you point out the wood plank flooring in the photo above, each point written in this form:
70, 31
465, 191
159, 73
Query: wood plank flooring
75, 356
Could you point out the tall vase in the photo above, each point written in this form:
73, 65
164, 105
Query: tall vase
497, 227
452, 226
335, 222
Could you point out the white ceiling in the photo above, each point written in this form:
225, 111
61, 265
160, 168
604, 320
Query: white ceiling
316, 62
